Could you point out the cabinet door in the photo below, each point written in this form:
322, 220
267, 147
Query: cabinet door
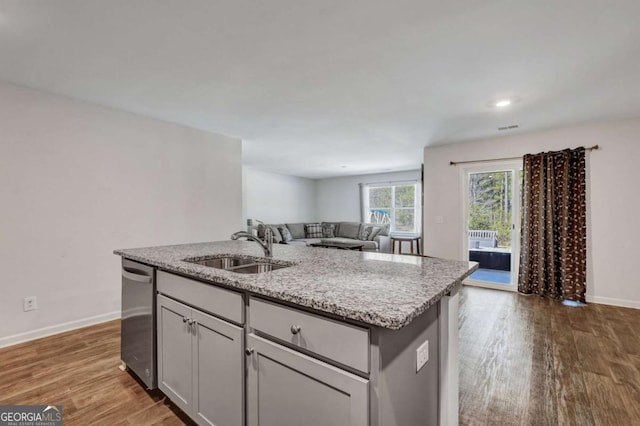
174, 352
218, 371
287, 388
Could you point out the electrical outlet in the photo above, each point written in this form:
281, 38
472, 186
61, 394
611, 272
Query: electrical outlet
422, 355
30, 303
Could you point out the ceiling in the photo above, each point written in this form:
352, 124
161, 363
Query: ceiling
326, 88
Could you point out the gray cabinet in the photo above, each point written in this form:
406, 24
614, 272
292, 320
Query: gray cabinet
200, 364
287, 388
174, 352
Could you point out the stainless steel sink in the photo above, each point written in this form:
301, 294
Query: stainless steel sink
257, 268
223, 262
239, 265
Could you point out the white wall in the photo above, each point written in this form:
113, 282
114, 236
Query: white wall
339, 198
78, 181
276, 198
613, 231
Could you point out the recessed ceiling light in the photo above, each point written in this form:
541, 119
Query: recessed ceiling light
503, 102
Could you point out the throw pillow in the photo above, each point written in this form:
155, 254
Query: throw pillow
313, 230
365, 232
384, 227
277, 236
374, 233
328, 230
286, 235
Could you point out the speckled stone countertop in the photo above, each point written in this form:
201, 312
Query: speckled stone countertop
378, 289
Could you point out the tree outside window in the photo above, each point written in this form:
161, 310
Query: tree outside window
395, 204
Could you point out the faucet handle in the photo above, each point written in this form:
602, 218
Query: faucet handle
268, 234
268, 237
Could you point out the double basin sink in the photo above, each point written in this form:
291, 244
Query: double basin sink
240, 265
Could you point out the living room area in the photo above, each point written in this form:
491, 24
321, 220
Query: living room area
358, 212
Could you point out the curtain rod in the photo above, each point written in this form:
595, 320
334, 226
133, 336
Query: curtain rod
454, 163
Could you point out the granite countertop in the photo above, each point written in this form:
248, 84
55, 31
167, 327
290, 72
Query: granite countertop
378, 289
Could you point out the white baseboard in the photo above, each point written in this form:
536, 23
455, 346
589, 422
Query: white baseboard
614, 302
56, 329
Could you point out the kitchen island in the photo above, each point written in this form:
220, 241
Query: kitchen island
331, 337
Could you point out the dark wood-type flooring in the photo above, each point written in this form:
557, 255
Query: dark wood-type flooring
523, 361
531, 361
79, 370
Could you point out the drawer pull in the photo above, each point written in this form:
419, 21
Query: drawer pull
248, 351
295, 329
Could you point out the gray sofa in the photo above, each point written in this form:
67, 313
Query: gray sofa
345, 232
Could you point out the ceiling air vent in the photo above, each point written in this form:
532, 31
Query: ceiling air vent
513, 126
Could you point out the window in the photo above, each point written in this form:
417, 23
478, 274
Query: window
397, 204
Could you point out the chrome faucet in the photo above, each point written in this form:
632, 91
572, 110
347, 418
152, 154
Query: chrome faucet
267, 244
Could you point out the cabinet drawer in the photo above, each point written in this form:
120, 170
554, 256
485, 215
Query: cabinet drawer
207, 297
288, 388
343, 343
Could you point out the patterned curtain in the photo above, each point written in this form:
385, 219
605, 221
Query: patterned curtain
553, 255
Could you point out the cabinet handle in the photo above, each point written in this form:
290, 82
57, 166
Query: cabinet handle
295, 329
190, 321
248, 351
136, 277
184, 319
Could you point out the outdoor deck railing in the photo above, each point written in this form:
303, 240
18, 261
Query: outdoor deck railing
483, 234
483, 239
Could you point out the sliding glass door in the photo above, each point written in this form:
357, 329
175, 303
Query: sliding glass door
491, 223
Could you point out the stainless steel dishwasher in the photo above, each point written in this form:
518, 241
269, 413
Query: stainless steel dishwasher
138, 338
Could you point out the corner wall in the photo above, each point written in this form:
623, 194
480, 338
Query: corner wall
80, 180
277, 198
613, 202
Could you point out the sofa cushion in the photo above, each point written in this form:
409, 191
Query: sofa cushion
366, 231
369, 245
297, 230
328, 230
384, 228
374, 233
277, 237
349, 230
366, 245
313, 230
286, 234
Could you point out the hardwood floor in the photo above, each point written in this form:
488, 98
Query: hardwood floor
79, 370
523, 361
531, 361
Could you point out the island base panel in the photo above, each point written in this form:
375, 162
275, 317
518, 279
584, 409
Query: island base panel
401, 395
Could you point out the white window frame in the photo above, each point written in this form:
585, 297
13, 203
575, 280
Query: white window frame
417, 208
